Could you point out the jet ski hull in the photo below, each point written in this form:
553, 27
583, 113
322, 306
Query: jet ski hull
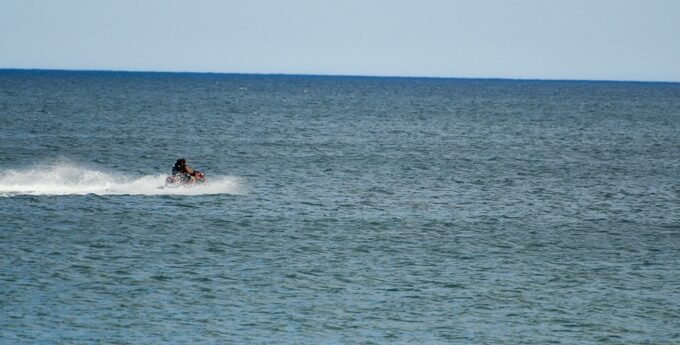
185, 180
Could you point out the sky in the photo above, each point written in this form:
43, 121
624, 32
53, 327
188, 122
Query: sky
527, 39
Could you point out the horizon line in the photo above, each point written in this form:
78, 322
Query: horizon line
3, 69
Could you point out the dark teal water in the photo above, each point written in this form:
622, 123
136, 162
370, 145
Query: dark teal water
338, 210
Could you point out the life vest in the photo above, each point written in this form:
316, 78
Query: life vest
178, 169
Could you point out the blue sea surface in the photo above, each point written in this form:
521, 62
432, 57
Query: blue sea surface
337, 210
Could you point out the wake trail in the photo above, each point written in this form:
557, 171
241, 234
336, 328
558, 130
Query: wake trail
68, 179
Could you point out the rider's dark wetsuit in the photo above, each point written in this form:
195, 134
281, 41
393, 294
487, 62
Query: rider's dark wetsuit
181, 170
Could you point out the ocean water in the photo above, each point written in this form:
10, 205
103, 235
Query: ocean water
338, 210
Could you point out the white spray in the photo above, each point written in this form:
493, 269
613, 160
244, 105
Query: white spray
64, 179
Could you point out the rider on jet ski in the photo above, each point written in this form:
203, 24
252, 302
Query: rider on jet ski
183, 171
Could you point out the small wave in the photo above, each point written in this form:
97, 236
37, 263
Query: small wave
66, 179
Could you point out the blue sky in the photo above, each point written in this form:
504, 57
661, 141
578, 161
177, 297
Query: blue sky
543, 39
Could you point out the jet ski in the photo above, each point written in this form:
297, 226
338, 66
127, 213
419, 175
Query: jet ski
185, 179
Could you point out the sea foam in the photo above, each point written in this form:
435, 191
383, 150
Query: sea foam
68, 179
